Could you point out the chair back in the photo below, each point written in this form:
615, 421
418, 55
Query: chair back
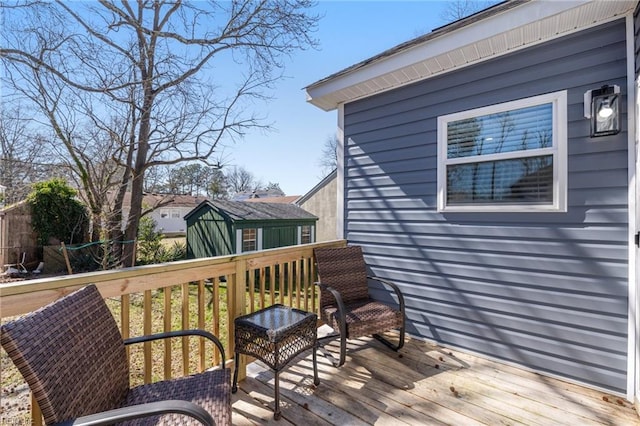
343, 269
71, 354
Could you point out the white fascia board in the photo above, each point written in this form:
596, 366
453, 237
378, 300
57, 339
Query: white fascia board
519, 16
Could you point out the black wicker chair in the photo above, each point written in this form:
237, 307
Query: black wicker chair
345, 304
73, 358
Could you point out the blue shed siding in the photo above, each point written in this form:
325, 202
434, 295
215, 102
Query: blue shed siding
545, 290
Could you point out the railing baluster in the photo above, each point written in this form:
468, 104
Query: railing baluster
252, 288
125, 300
185, 326
201, 347
147, 330
305, 281
167, 327
262, 287
272, 283
298, 265
290, 282
283, 290
312, 275
215, 302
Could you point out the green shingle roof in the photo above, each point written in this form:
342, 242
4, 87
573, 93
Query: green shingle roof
239, 210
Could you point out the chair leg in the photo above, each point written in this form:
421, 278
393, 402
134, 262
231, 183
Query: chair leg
391, 345
234, 386
343, 349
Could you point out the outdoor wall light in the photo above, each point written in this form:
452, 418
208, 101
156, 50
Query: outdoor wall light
601, 106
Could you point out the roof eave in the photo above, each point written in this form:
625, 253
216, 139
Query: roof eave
502, 29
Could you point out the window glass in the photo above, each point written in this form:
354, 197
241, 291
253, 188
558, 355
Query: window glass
511, 154
518, 130
305, 234
249, 239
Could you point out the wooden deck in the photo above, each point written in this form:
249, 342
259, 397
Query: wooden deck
421, 385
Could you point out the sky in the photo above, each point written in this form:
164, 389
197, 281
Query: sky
349, 32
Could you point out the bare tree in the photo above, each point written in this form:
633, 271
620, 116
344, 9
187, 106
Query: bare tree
23, 155
239, 180
458, 9
145, 72
329, 156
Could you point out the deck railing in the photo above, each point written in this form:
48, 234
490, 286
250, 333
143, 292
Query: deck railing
201, 293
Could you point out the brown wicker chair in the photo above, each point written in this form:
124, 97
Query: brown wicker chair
345, 304
73, 358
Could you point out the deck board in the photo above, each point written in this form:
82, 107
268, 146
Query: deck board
423, 384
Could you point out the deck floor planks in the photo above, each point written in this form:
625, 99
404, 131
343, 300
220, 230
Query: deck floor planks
412, 408
338, 381
379, 386
508, 400
567, 396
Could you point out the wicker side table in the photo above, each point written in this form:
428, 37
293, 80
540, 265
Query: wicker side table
276, 335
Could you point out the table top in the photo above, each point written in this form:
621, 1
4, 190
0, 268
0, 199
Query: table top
274, 318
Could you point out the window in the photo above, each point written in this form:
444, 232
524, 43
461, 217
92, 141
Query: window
305, 234
505, 157
249, 239
175, 215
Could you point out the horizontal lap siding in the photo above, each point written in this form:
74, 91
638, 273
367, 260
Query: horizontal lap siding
545, 290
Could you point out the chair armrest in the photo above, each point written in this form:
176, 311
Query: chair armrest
179, 333
143, 410
342, 322
393, 286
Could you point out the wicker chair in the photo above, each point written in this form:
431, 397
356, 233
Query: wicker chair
73, 358
345, 304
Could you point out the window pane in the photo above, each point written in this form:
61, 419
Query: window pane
523, 180
306, 234
517, 130
249, 239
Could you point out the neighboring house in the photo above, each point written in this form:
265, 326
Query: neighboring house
217, 228
471, 178
259, 193
168, 212
321, 201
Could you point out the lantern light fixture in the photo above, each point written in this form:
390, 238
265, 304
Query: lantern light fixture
602, 107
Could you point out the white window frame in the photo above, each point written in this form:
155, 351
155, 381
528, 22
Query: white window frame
241, 240
558, 149
311, 229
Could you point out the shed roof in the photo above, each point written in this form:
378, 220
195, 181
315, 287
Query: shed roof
240, 210
287, 199
504, 28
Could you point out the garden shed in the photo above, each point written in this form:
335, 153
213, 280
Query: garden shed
221, 227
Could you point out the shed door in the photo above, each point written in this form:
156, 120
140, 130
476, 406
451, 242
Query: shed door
279, 237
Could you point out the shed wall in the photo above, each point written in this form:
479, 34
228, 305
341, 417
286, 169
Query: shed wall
209, 234
544, 290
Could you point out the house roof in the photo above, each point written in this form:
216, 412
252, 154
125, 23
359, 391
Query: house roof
242, 211
504, 28
288, 199
164, 200
331, 176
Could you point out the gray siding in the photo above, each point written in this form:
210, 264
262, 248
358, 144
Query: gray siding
545, 290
